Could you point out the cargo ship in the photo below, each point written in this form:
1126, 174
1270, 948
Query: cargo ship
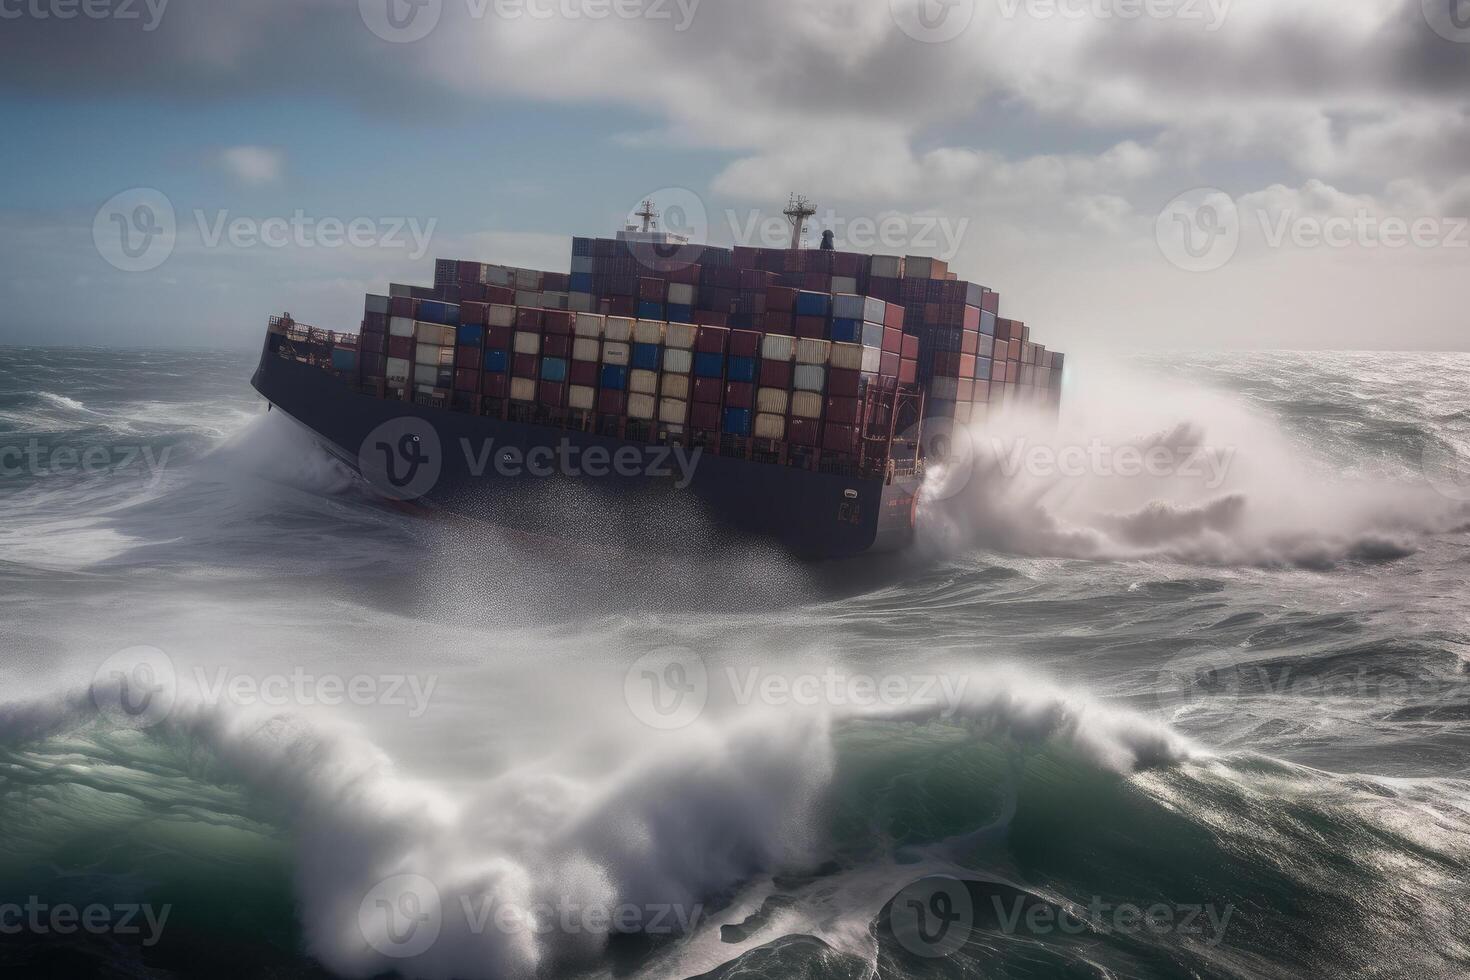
662, 391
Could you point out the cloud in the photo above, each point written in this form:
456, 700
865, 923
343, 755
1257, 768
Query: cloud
253, 165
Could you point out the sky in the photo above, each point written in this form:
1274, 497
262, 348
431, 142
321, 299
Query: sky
1130, 174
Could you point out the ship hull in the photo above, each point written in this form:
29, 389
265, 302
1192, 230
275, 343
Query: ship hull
565, 483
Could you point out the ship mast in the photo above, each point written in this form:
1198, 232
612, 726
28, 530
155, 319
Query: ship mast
649, 214
797, 212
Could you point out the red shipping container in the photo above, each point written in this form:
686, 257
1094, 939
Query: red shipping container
966, 390
803, 432
998, 372
739, 394
990, 302
893, 340
621, 305
556, 345
708, 390
908, 371
970, 342
495, 385
472, 312
888, 366
982, 391
556, 282
839, 438
654, 290
374, 366
746, 256
705, 415
745, 343
947, 364
401, 347
375, 323
910, 347
374, 343
529, 320
972, 318
500, 296
685, 274
467, 271
474, 292
711, 340
847, 263
811, 327
498, 338
468, 357
610, 402
816, 282
584, 373
400, 306
844, 410
780, 299
559, 322
778, 321
844, 383
552, 394
712, 318
1015, 350
466, 379
777, 374
524, 365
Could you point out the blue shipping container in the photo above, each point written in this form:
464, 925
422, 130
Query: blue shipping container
742, 369
344, 360
812, 304
872, 335
496, 361
471, 335
431, 311
649, 310
709, 365
553, 369
737, 421
581, 282
614, 377
645, 357
987, 323
847, 331
680, 313
982, 369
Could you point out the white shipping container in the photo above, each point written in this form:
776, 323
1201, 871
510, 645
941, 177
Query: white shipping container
675, 386
681, 335
945, 389
398, 371
849, 357
498, 275
872, 360
887, 267
400, 291
678, 361
581, 397
811, 377
649, 331
674, 411
426, 375
585, 349
772, 401
522, 389
400, 326
434, 354
643, 382
917, 267
376, 304
529, 298
681, 293
589, 325
810, 351
581, 302
844, 284
619, 329
501, 316
806, 405
582, 263
529, 279
846, 306
434, 333
554, 301
778, 347
770, 426
641, 406
616, 354
526, 342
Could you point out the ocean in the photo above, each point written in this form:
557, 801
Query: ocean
1175, 688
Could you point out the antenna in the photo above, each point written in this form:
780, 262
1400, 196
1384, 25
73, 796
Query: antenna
797, 212
649, 214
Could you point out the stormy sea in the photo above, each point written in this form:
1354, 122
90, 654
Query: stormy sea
1172, 687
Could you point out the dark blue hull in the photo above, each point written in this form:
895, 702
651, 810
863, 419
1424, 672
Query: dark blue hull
469, 466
